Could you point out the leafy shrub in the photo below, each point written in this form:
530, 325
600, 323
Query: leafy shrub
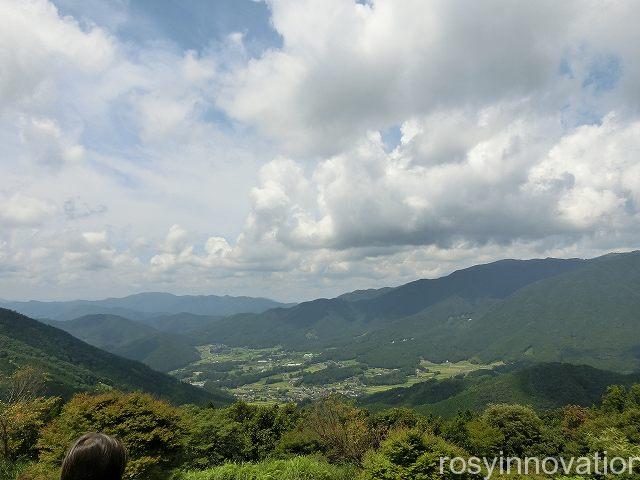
150, 429
340, 429
298, 468
515, 430
410, 454
238, 433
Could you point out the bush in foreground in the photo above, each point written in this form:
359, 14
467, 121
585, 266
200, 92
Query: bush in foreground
298, 468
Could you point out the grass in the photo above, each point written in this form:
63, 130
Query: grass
298, 468
451, 369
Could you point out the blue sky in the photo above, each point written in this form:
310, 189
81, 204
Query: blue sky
297, 149
191, 24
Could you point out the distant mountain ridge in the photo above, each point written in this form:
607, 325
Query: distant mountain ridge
543, 310
144, 305
339, 321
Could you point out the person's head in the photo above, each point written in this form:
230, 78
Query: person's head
94, 456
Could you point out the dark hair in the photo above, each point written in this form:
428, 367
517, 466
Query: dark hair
94, 456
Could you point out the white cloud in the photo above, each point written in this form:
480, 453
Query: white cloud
507, 181
36, 43
347, 67
22, 211
383, 141
95, 238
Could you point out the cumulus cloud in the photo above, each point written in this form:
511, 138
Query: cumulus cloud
508, 181
19, 210
348, 67
36, 42
379, 142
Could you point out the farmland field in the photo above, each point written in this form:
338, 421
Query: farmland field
277, 375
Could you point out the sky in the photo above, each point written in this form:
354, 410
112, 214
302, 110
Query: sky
297, 149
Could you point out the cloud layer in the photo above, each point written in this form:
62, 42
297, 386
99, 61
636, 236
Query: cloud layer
377, 142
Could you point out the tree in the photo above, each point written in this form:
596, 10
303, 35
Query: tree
515, 430
150, 429
22, 412
615, 399
23, 385
340, 429
238, 433
411, 454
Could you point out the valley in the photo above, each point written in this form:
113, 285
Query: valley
276, 375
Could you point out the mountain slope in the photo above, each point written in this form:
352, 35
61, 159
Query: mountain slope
179, 322
543, 386
144, 305
493, 280
587, 316
575, 311
160, 350
374, 319
75, 366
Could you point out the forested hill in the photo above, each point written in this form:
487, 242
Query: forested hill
74, 366
343, 320
161, 351
576, 311
588, 316
541, 386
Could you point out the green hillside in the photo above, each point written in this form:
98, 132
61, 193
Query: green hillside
542, 386
179, 322
574, 311
134, 340
340, 321
588, 316
75, 366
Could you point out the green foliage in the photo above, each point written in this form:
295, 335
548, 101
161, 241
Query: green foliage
299, 468
331, 439
12, 470
239, 433
330, 374
339, 430
615, 399
397, 418
21, 423
150, 429
410, 454
515, 430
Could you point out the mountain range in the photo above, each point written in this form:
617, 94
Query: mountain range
144, 305
545, 310
541, 311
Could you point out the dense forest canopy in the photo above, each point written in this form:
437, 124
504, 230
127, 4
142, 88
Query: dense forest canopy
332, 439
